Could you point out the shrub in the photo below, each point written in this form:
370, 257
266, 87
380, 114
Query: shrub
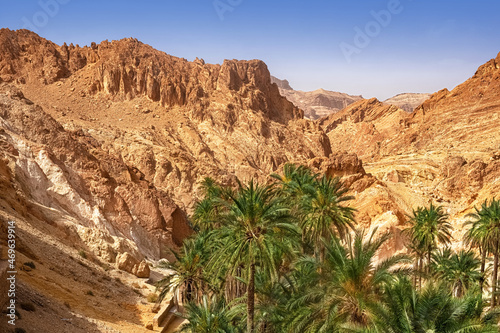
30, 264
28, 306
152, 298
82, 254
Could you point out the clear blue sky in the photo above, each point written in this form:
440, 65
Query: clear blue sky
424, 46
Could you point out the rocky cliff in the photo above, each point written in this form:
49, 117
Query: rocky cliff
103, 147
109, 142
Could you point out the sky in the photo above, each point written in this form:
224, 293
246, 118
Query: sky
376, 48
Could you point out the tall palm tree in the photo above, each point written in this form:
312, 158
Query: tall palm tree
485, 229
461, 270
475, 237
207, 211
296, 181
188, 280
428, 227
257, 228
348, 287
322, 213
210, 316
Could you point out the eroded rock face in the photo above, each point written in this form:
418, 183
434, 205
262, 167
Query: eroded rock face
318, 103
128, 68
81, 185
363, 126
115, 138
408, 101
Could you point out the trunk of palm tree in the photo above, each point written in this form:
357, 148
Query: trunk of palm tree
415, 273
251, 299
429, 256
459, 289
483, 265
494, 276
420, 269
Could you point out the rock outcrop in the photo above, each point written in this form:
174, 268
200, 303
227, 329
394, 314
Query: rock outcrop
408, 101
363, 126
128, 263
109, 142
64, 178
318, 103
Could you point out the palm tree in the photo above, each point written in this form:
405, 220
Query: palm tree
212, 316
460, 270
257, 229
485, 230
188, 280
347, 286
475, 237
428, 226
207, 211
433, 309
322, 212
296, 181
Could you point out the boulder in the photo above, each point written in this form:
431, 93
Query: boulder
126, 262
142, 270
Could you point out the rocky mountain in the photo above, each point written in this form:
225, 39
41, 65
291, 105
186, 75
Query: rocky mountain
408, 101
103, 148
362, 126
112, 139
317, 103
446, 151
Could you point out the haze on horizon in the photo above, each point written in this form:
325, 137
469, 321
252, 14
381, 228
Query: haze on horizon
372, 48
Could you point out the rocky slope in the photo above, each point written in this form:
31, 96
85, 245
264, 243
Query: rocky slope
317, 103
446, 151
103, 147
407, 101
363, 126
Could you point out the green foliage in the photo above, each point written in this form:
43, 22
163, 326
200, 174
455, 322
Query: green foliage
152, 298
30, 264
485, 234
27, 306
189, 281
460, 271
210, 316
433, 309
287, 257
82, 254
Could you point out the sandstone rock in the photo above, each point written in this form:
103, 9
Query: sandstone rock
318, 103
408, 101
126, 262
393, 176
363, 127
141, 270
72, 174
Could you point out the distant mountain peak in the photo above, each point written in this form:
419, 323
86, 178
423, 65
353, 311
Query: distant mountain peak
315, 104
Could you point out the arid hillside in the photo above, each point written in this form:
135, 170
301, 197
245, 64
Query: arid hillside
447, 151
103, 149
